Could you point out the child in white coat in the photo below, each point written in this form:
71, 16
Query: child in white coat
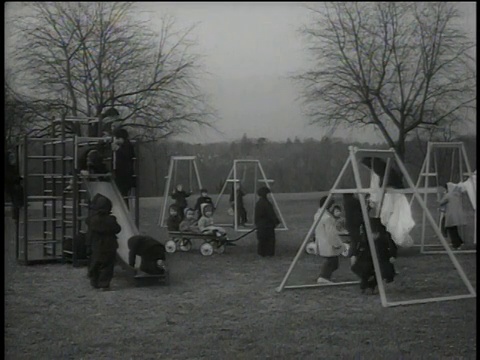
328, 242
206, 223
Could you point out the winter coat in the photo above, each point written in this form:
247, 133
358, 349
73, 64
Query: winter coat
240, 195
97, 165
13, 184
173, 223
265, 216
385, 248
204, 221
124, 167
102, 229
189, 226
326, 235
353, 213
454, 215
146, 247
202, 200
180, 198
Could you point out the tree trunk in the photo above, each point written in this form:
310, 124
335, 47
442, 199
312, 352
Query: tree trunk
400, 146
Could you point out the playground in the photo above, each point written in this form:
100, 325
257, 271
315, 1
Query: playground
233, 304
225, 306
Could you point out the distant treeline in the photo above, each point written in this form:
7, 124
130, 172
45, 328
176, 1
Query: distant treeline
295, 166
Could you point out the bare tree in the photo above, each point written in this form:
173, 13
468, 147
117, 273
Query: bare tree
80, 58
396, 66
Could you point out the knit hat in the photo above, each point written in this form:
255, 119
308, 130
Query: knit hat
121, 133
263, 191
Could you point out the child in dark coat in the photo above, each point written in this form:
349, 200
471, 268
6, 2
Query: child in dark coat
386, 251
102, 239
180, 196
150, 250
123, 168
265, 221
353, 220
241, 211
174, 219
203, 199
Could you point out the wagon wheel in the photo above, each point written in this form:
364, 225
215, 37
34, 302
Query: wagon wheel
170, 246
346, 250
206, 249
185, 244
311, 248
220, 249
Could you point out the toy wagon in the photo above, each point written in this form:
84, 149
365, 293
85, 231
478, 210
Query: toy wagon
211, 242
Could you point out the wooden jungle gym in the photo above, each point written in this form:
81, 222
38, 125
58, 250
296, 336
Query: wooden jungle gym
55, 210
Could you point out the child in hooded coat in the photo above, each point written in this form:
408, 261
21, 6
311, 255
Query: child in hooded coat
327, 239
151, 252
203, 199
265, 222
102, 239
206, 222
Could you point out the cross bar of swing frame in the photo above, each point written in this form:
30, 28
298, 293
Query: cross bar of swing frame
183, 157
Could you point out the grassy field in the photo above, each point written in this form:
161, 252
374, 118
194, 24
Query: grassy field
226, 307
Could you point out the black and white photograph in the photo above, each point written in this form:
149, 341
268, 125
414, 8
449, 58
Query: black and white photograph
240, 180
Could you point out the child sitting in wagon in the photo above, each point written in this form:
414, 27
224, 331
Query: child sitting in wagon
206, 223
189, 223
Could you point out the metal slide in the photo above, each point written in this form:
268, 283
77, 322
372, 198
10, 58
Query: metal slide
121, 212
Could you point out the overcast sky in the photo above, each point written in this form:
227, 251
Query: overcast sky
250, 49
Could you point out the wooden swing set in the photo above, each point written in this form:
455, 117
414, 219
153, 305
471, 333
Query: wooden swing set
390, 156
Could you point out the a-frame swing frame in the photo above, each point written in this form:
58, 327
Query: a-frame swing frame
172, 171
232, 178
354, 155
430, 169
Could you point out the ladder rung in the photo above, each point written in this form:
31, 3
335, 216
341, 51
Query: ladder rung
41, 197
40, 240
99, 175
44, 157
428, 174
56, 142
41, 220
57, 176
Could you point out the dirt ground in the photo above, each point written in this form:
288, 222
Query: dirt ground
226, 307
